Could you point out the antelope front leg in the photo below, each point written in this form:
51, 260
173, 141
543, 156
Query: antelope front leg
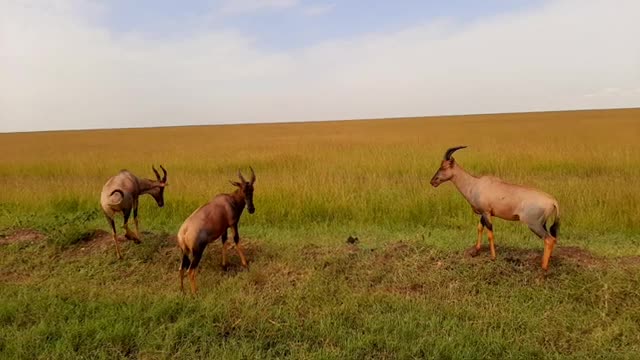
135, 219
236, 240
479, 242
128, 233
115, 237
224, 250
476, 250
486, 221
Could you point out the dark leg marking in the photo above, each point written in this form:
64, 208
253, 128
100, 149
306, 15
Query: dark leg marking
112, 223
539, 230
126, 213
554, 228
224, 238
185, 262
486, 222
236, 240
236, 236
128, 233
197, 255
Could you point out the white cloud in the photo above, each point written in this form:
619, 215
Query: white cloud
246, 6
615, 92
319, 9
59, 71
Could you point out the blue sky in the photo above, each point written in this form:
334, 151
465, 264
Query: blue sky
290, 24
78, 64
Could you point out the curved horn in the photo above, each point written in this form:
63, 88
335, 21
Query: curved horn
156, 172
164, 174
253, 175
241, 177
447, 155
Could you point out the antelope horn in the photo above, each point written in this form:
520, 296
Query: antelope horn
241, 177
156, 172
164, 174
253, 175
447, 155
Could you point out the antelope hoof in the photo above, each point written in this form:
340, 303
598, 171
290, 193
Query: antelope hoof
132, 236
473, 252
225, 267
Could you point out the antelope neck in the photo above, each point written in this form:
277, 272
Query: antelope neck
464, 182
238, 199
146, 185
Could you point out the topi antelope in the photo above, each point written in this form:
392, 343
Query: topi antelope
121, 193
490, 196
211, 221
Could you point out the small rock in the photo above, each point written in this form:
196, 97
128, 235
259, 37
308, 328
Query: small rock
352, 240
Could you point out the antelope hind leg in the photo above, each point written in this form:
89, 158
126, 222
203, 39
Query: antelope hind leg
549, 244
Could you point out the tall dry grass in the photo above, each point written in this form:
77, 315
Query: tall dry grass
358, 175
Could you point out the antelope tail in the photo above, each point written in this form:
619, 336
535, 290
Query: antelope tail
553, 230
116, 197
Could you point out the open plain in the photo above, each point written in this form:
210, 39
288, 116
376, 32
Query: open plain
406, 289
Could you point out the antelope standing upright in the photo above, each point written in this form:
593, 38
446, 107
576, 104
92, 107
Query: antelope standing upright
211, 221
490, 196
121, 193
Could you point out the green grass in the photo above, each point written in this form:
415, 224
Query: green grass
407, 290
402, 299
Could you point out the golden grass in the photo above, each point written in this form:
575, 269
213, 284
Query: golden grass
404, 291
358, 173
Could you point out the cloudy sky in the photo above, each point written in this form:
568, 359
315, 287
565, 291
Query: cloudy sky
77, 64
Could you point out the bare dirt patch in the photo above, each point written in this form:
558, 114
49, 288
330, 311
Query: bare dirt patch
533, 257
95, 241
573, 255
22, 236
10, 276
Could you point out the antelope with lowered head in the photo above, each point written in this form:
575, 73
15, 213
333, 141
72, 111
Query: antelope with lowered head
211, 221
121, 193
490, 196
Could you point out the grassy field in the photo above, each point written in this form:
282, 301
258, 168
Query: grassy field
405, 290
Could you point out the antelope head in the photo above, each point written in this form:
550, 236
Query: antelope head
246, 188
158, 190
445, 172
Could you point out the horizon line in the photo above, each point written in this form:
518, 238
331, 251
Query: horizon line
323, 121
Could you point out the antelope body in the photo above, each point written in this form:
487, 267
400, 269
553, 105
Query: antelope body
210, 222
490, 196
121, 193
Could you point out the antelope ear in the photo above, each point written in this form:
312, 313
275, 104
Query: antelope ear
235, 183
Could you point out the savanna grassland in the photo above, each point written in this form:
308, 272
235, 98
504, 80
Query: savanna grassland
406, 289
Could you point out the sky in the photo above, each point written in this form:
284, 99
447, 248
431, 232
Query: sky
84, 64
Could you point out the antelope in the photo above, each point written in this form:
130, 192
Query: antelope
490, 196
211, 221
121, 193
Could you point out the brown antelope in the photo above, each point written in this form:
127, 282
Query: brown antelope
121, 193
490, 196
211, 221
